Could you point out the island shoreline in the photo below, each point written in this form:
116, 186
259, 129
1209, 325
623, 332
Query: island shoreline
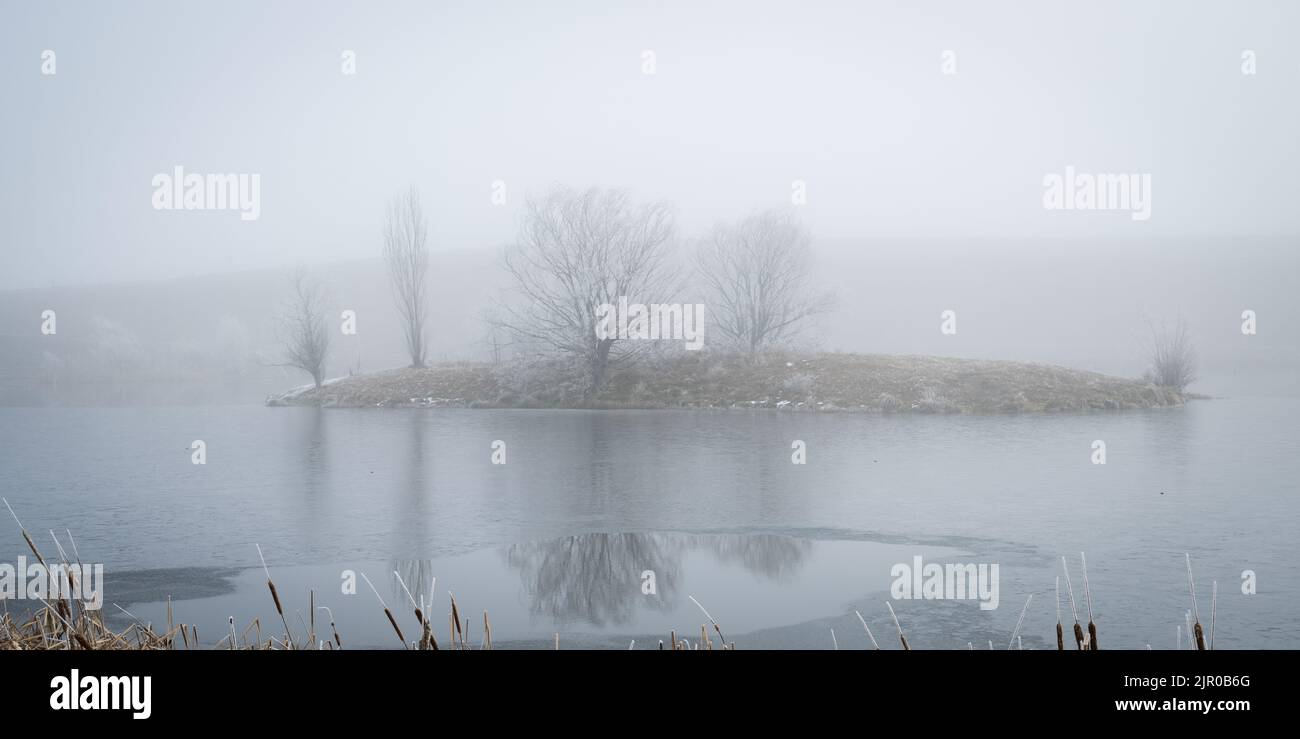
792, 382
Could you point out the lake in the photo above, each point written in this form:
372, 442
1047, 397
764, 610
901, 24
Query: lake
558, 538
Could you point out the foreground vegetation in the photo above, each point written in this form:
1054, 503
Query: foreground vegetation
780, 381
67, 624
72, 623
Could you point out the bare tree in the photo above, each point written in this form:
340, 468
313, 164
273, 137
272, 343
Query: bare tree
757, 274
407, 256
302, 327
492, 338
575, 252
1173, 357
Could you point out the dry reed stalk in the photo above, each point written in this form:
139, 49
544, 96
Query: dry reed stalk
1019, 621
433, 640
30, 544
396, 628
387, 612
66, 601
1087, 593
455, 619
274, 596
1078, 630
426, 635
1214, 599
868, 628
902, 638
337, 641
711, 619
1060, 632
73, 541
71, 631
1199, 633
419, 615
487, 630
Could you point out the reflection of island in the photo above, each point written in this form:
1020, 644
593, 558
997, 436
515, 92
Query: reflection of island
596, 578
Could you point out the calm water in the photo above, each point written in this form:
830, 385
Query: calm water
556, 539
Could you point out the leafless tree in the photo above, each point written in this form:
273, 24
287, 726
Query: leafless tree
575, 252
302, 327
493, 339
1173, 357
757, 275
407, 256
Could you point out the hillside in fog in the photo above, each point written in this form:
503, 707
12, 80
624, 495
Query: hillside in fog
214, 336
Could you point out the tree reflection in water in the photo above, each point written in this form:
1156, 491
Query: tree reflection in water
771, 556
596, 578
418, 575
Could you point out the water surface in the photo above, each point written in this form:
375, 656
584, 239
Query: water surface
326, 490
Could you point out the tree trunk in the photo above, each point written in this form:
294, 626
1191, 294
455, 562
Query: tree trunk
599, 367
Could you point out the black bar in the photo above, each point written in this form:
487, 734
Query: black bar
928, 689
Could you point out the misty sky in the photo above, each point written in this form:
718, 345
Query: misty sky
746, 97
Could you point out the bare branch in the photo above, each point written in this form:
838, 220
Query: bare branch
1173, 357
757, 274
576, 251
407, 255
302, 327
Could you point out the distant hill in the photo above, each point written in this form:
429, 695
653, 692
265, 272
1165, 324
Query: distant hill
1072, 303
213, 337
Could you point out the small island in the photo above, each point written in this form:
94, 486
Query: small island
782, 381
601, 311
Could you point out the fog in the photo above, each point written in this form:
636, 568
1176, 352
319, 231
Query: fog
583, 310
924, 189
